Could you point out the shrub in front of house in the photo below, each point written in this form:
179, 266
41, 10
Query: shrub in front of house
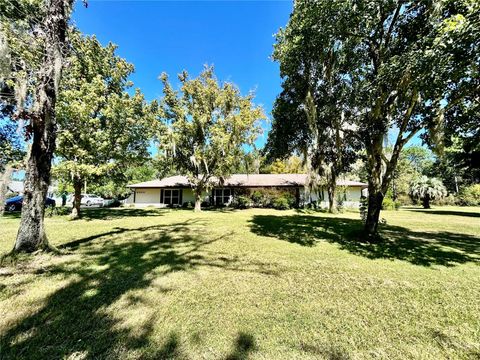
257, 198
281, 203
264, 198
292, 201
187, 205
241, 202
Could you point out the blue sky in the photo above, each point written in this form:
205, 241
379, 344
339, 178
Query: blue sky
235, 36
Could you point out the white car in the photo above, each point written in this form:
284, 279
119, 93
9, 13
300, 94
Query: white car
90, 200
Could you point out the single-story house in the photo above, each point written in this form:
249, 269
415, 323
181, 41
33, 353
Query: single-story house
177, 190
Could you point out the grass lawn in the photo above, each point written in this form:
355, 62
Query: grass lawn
252, 284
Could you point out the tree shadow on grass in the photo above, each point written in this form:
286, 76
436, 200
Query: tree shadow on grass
444, 212
330, 351
102, 213
419, 248
74, 320
106, 213
244, 345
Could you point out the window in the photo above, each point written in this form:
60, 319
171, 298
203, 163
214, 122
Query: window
222, 196
171, 196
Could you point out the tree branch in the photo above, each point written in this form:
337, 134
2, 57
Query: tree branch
408, 114
400, 142
392, 23
411, 135
384, 158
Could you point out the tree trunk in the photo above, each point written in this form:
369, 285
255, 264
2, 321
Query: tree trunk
4, 180
375, 186
198, 200
375, 200
426, 202
77, 198
331, 187
378, 181
31, 234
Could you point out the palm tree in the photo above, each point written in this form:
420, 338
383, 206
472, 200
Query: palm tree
427, 189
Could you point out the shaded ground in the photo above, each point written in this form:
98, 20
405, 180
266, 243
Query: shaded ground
418, 247
244, 285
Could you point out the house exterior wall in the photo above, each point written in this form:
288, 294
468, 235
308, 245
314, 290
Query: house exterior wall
151, 196
147, 196
189, 196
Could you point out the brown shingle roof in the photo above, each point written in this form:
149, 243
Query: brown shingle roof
242, 180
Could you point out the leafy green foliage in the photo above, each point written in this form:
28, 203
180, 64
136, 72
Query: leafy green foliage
384, 65
455, 167
470, 195
21, 51
281, 203
390, 204
115, 187
208, 126
266, 197
242, 202
413, 162
310, 115
12, 148
103, 130
257, 197
292, 165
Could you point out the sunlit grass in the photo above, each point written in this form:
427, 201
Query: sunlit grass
259, 284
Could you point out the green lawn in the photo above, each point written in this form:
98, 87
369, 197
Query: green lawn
252, 284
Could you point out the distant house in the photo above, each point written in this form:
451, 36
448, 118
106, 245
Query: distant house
177, 190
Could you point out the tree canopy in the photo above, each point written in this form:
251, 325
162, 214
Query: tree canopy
400, 65
208, 125
33, 44
102, 128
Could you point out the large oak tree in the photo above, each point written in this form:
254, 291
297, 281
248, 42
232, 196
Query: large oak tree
208, 124
102, 128
35, 44
406, 63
